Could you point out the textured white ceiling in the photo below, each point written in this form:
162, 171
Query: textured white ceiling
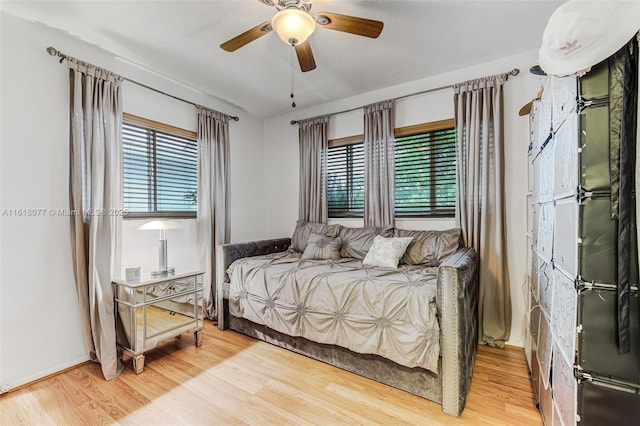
181, 39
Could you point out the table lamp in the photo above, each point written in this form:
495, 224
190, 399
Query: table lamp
162, 225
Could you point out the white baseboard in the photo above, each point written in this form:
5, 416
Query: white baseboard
7, 387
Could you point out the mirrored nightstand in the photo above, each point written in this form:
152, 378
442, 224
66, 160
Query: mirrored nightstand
157, 309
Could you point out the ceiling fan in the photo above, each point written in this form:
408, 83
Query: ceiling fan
294, 24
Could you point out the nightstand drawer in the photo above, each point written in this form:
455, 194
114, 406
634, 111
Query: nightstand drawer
167, 289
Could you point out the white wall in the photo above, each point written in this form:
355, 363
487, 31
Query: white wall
40, 331
281, 138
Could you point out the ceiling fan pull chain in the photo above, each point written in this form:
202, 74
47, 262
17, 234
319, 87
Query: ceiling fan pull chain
293, 100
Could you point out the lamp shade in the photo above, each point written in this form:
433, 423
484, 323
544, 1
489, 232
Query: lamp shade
154, 225
293, 26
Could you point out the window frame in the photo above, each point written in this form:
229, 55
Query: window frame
167, 129
400, 132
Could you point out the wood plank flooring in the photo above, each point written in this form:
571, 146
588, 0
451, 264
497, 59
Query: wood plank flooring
234, 379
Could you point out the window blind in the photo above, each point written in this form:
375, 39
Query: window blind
426, 174
160, 172
345, 180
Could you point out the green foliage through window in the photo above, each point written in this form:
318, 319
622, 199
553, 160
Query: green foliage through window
426, 174
345, 181
425, 170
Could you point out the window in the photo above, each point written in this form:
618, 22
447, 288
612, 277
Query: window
425, 168
160, 173
345, 178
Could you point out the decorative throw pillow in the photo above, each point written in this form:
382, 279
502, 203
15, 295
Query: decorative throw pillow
357, 241
304, 229
322, 247
386, 252
429, 247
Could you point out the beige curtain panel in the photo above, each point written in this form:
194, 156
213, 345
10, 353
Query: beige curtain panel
213, 221
95, 184
379, 159
313, 142
480, 207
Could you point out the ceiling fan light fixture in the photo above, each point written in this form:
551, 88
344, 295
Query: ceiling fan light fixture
293, 26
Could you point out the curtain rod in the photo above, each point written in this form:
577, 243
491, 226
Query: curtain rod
55, 52
513, 72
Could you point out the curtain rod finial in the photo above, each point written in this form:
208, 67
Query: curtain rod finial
293, 122
515, 72
52, 51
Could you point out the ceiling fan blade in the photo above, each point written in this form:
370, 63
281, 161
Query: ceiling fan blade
246, 37
305, 56
350, 24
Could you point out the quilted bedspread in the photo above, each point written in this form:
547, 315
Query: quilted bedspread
369, 310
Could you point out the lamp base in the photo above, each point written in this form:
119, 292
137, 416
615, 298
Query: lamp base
163, 272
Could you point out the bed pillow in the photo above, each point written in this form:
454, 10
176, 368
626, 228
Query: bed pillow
429, 247
357, 241
304, 229
322, 247
386, 252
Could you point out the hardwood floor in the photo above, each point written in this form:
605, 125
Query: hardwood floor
234, 379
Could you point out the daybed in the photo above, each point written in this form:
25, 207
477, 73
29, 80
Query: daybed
413, 328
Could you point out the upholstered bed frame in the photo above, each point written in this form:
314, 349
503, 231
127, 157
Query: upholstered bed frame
457, 304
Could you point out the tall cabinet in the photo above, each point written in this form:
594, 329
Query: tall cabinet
577, 372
